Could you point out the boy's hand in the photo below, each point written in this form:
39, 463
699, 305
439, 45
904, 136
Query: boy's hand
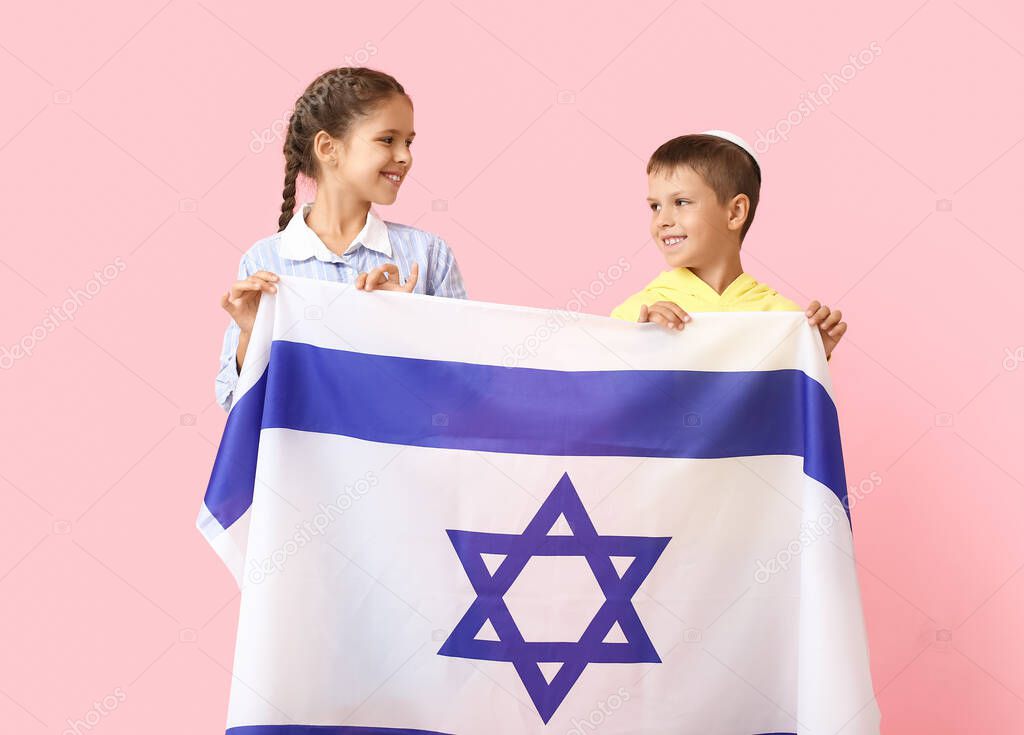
828, 322
386, 278
665, 313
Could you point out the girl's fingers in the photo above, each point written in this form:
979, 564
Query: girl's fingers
262, 281
240, 287
258, 281
383, 276
813, 307
413, 276
265, 280
373, 277
837, 331
644, 314
387, 277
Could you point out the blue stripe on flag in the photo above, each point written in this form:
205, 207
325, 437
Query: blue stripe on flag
325, 730
455, 405
233, 478
348, 730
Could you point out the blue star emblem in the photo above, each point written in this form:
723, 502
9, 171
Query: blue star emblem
518, 549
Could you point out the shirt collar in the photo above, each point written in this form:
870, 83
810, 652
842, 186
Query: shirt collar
299, 242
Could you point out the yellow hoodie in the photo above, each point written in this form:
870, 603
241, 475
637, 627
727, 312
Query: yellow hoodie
682, 286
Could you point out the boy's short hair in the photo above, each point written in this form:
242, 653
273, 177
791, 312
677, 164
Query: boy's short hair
726, 168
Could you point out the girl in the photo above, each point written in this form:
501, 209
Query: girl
351, 131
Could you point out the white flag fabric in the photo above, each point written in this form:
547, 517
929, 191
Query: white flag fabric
458, 517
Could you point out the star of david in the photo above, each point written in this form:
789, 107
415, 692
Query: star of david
518, 549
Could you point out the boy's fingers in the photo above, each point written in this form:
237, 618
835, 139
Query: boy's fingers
669, 322
820, 314
833, 319
676, 309
666, 317
361, 281
668, 313
838, 331
813, 307
644, 314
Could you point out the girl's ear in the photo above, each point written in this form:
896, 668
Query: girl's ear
325, 148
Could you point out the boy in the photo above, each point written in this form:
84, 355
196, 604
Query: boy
703, 191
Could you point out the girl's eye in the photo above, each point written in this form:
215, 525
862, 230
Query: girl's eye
680, 201
654, 207
408, 144
387, 139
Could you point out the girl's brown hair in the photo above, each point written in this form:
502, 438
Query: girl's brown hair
727, 169
332, 102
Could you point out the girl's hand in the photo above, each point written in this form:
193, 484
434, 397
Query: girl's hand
386, 278
665, 313
243, 299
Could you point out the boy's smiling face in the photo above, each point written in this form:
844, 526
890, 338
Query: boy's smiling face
691, 228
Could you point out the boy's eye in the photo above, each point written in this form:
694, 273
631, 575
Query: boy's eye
680, 201
387, 139
654, 207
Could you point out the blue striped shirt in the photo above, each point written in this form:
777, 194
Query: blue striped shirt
298, 251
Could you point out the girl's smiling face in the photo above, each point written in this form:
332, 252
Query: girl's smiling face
689, 225
375, 156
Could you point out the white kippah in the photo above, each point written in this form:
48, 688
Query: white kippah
733, 138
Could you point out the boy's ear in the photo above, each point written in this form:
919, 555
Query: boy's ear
739, 208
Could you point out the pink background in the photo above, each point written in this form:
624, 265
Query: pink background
129, 143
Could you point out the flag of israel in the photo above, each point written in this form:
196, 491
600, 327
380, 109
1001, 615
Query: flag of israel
458, 517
